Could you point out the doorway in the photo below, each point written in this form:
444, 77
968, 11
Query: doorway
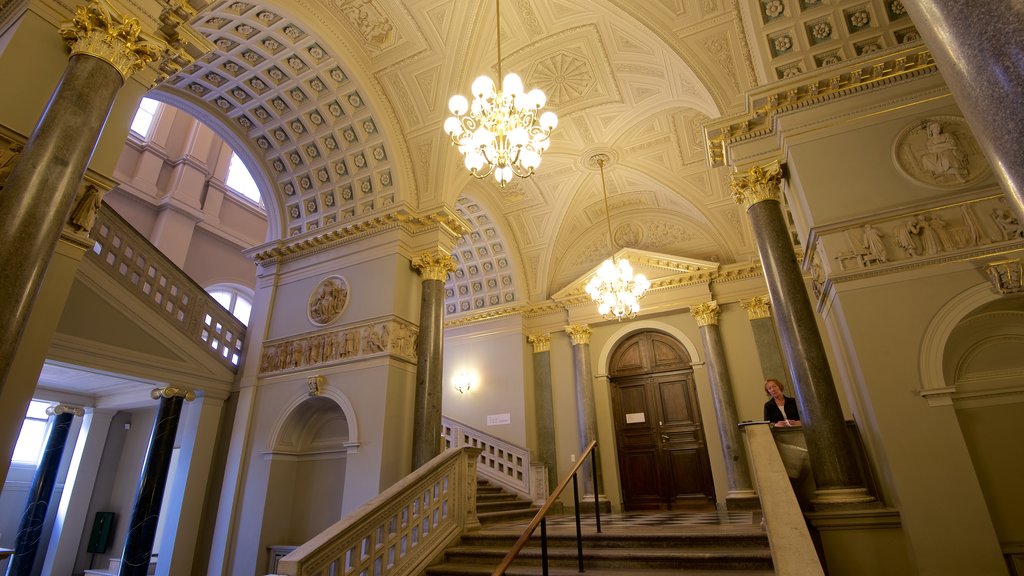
659, 435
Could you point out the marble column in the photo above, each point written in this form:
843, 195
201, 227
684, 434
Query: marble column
37, 195
977, 47
543, 408
586, 413
833, 462
138, 545
31, 527
741, 492
759, 312
433, 268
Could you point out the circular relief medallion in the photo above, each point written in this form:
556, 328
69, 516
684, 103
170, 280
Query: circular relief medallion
328, 300
940, 151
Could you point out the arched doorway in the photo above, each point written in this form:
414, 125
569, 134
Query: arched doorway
659, 436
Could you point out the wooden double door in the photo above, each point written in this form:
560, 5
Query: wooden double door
662, 455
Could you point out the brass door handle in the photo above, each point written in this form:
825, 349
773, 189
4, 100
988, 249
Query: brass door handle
665, 437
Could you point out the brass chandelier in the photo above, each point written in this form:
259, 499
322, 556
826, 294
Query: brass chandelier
503, 131
614, 287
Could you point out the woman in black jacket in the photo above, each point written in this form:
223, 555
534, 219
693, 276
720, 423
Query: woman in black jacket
780, 409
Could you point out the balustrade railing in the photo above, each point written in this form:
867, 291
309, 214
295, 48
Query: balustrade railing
401, 530
503, 463
140, 267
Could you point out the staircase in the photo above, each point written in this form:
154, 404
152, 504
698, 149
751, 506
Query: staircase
622, 549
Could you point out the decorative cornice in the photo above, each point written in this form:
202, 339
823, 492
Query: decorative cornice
541, 342
757, 307
434, 265
58, 409
760, 183
493, 313
100, 32
172, 392
705, 314
578, 333
765, 107
299, 246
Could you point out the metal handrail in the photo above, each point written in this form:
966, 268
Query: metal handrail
539, 520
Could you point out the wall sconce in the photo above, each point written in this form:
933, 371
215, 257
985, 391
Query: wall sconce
463, 382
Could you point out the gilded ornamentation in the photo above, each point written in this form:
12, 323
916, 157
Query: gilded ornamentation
1006, 276
58, 409
757, 307
394, 337
172, 392
705, 314
578, 334
328, 300
315, 384
541, 342
97, 31
434, 265
760, 183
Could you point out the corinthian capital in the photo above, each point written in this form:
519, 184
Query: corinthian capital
434, 265
760, 183
541, 342
98, 31
706, 313
578, 333
757, 307
171, 392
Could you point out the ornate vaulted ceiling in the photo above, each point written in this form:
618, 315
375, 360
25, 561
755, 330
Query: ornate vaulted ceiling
340, 104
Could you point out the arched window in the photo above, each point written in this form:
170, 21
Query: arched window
240, 181
237, 299
144, 116
33, 434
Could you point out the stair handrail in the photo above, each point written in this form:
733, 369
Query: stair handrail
540, 520
503, 462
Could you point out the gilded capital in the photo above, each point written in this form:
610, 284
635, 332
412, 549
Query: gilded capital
99, 32
579, 334
706, 313
757, 307
434, 265
58, 409
541, 342
760, 183
172, 392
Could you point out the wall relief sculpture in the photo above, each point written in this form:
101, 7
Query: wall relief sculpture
394, 337
328, 300
939, 151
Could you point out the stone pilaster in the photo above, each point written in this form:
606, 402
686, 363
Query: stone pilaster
832, 458
741, 493
543, 408
759, 312
433, 268
138, 545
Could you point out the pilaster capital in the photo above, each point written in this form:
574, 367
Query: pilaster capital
705, 314
100, 32
578, 333
757, 307
541, 342
58, 409
758, 184
434, 265
172, 392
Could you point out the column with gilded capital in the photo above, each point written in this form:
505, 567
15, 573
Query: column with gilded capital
31, 527
426, 442
586, 412
759, 312
836, 475
138, 545
105, 49
543, 408
741, 492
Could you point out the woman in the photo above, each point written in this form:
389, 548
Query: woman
780, 409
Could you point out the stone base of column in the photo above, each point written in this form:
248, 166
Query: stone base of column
587, 504
831, 498
742, 500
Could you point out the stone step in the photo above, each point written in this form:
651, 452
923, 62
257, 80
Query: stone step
505, 504
638, 559
743, 538
496, 516
480, 570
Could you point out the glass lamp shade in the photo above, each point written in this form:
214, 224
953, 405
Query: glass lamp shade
616, 290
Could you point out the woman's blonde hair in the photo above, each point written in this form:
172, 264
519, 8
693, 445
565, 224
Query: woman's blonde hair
782, 387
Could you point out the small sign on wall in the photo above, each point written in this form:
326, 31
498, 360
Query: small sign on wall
499, 419
635, 418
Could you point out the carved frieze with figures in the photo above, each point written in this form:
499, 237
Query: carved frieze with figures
394, 337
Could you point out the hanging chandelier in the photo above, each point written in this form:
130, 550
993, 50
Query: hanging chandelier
614, 287
503, 132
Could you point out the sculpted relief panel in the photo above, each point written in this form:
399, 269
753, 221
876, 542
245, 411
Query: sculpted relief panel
940, 151
395, 337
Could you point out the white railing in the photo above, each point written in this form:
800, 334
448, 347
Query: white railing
506, 464
138, 266
401, 530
